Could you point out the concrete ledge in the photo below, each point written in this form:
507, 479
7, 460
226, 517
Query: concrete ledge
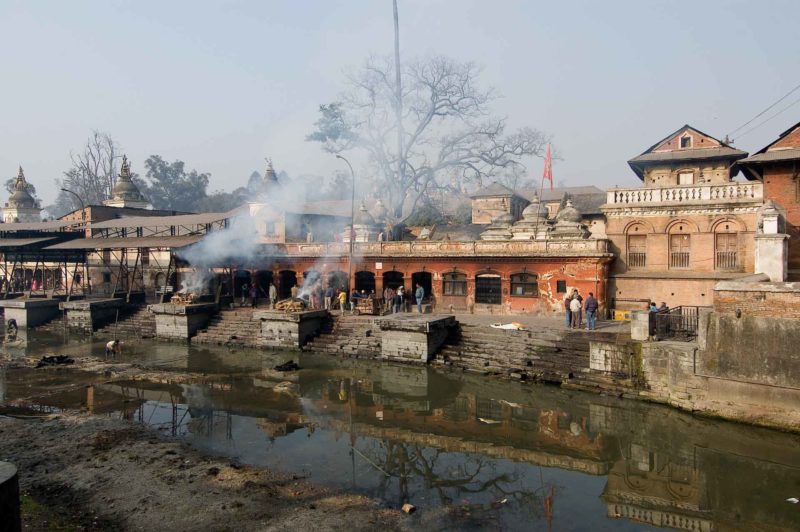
295, 317
182, 310
29, 312
760, 285
9, 498
89, 315
415, 322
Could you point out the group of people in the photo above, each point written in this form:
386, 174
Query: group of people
575, 306
395, 300
253, 290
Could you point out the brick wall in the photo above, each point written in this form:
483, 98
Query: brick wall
781, 186
782, 304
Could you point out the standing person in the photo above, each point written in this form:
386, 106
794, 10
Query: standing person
273, 295
575, 310
591, 312
567, 301
419, 294
342, 300
245, 291
293, 292
329, 292
387, 299
253, 295
353, 297
663, 307
396, 302
402, 293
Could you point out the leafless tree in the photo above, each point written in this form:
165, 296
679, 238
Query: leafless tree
94, 170
443, 119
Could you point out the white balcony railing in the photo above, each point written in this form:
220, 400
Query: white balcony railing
728, 193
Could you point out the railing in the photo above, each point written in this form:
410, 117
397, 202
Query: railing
727, 193
679, 259
679, 323
445, 248
726, 260
637, 260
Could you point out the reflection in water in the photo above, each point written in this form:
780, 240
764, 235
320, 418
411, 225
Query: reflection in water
485, 453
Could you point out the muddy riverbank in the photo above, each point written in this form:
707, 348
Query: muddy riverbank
103, 473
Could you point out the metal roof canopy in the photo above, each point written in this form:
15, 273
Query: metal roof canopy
125, 243
6, 243
154, 221
39, 226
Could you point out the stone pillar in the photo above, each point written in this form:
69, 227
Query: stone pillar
640, 325
772, 255
9, 498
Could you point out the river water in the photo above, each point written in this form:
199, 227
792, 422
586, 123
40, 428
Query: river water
472, 451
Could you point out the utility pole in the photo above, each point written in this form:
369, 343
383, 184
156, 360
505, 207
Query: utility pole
401, 160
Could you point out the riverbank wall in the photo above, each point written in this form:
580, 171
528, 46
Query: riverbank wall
744, 364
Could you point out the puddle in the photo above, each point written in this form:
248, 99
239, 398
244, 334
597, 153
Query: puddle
481, 453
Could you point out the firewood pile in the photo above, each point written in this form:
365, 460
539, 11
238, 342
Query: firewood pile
182, 299
290, 305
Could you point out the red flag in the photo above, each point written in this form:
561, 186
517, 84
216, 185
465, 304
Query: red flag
548, 168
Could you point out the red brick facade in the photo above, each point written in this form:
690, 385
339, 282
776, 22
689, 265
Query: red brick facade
551, 277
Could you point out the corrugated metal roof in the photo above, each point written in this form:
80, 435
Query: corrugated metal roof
790, 154
154, 221
19, 242
133, 242
39, 226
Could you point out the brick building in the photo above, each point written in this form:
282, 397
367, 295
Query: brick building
777, 166
687, 227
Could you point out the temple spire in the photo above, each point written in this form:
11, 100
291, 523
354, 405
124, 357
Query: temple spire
125, 170
269, 173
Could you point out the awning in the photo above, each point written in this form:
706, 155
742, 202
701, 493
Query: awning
171, 242
6, 243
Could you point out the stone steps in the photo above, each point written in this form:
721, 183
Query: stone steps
138, 324
349, 336
230, 327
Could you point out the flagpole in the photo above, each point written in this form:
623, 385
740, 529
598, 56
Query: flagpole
541, 191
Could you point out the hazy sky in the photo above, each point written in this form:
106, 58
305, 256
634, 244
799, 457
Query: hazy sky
222, 84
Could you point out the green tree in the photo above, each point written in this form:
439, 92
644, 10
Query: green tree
169, 186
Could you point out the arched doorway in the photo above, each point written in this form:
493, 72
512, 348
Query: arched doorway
286, 280
240, 279
337, 280
425, 280
487, 289
392, 279
263, 280
365, 281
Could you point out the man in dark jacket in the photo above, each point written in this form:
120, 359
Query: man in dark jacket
591, 312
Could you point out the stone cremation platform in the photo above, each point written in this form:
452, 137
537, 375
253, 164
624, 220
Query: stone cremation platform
288, 329
89, 315
181, 322
413, 337
29, 313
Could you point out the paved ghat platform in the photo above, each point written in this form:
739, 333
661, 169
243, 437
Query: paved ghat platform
288, 329
91, 314
414, 337
29, 313
181, 322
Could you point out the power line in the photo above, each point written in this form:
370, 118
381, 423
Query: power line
795, 102
765, 110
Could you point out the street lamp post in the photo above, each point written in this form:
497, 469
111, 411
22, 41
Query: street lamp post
83, 206
85, 263
352, 235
